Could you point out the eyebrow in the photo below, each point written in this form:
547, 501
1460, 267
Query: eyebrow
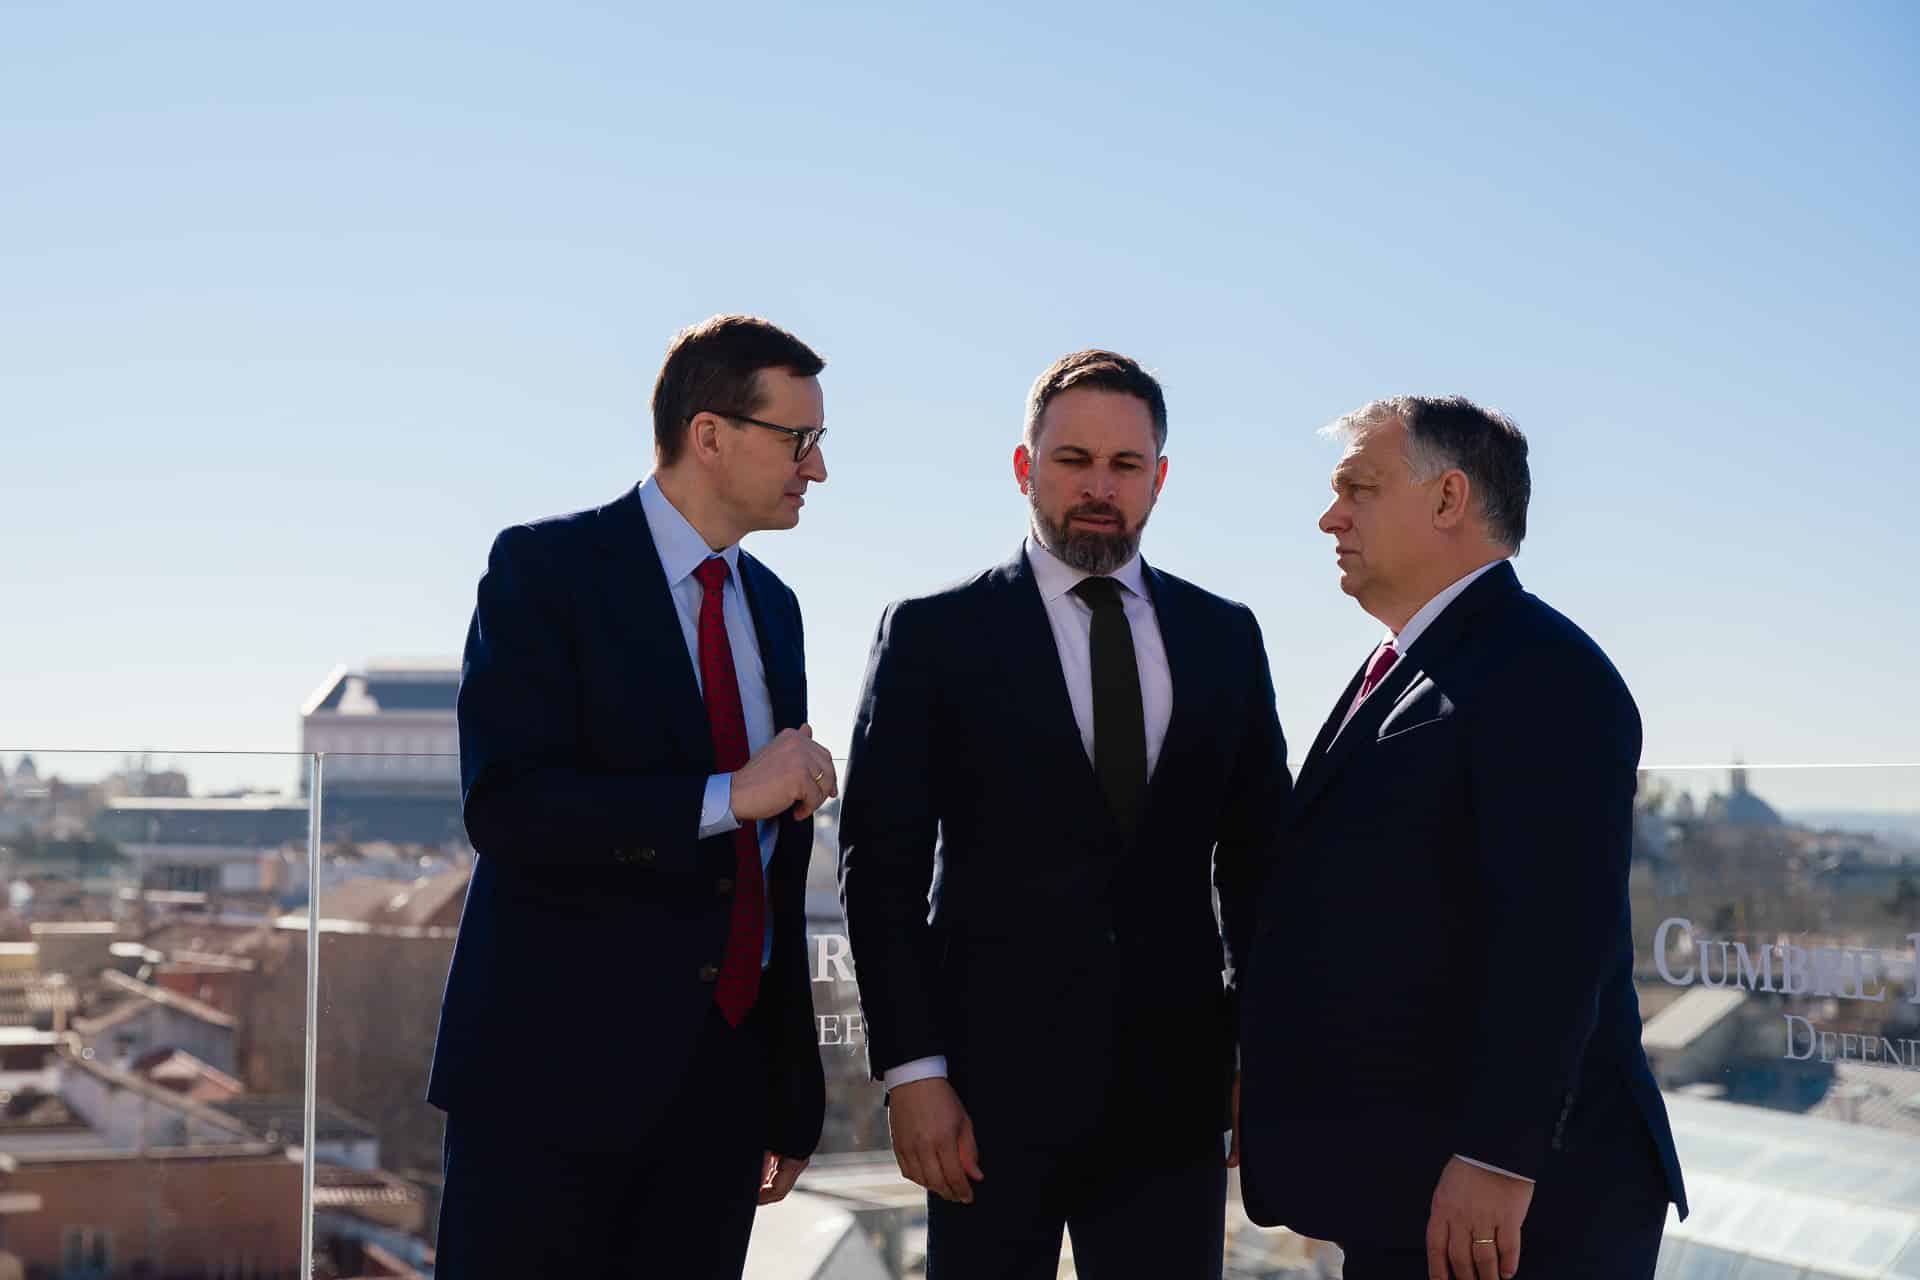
1132, 455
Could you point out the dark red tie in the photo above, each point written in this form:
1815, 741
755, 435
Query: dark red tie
739, 979
1376, 670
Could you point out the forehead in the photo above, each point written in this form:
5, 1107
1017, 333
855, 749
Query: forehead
1371, 447
789, 399
1097, 420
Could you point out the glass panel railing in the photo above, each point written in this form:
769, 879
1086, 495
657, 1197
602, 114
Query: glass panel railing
394, 870
1775, 914
152, 1013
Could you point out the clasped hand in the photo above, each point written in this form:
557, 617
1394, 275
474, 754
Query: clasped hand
791, 774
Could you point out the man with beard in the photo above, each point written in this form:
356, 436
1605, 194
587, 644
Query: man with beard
1055, 766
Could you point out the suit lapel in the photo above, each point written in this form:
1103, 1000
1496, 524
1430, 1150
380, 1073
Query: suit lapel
1187, 669
1331, 753
642, 606
1360, 731
779, 644
1333, 722
1032, 670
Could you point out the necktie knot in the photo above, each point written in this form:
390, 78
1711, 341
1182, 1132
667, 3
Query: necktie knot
711, 574
1377, 669
1099, 593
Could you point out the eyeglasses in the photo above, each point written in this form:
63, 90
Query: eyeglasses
804, 438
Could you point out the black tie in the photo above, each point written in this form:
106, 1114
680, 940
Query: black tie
1119, 725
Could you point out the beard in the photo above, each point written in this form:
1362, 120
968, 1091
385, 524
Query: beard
1087, 550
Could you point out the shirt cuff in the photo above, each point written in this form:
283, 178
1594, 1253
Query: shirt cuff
1493, 1168
934, 1068
716, 807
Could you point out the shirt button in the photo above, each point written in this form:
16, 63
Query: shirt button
709, 973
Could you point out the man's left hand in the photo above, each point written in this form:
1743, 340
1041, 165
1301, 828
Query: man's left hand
778, 1173
1472, 1204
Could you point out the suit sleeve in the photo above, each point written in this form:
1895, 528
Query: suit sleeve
888, 823
1553, 813
1257, 794
527, 801
798, 1099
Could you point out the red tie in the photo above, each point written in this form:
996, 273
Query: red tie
739, 979
1376, 670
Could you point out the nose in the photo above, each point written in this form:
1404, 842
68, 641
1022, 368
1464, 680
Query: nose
1334, 520
814, 466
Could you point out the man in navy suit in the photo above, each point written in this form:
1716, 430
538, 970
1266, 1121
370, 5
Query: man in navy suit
1440, 1039
626, 1053
1056, 764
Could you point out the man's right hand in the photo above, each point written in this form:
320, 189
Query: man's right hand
792, 772
933, 1139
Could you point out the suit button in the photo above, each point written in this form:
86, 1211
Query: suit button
647, 855
723, 886
1113, 937
623, 855
709, 973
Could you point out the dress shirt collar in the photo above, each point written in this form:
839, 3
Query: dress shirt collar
681, 548
1055, 577
1433, 608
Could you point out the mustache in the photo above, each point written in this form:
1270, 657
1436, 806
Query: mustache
1096, 509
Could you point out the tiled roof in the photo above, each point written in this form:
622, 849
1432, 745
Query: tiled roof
1880, 1097
180, 1071
119, 983
370, 900
337, 1187
283, 1119
25, 998
131, 1083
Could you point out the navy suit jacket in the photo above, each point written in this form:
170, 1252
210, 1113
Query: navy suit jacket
1070, 974
595, 911
1443, 959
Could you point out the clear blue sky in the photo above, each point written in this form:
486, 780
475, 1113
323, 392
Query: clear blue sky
302, 307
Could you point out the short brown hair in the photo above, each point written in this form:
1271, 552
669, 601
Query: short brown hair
1104, 370
712, 367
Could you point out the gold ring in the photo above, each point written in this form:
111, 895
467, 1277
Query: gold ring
819, 775
1488, 1240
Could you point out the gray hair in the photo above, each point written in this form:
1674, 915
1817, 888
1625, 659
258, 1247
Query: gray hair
1446, 433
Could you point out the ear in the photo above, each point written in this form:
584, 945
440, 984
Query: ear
703, 436
1451, 500
1159, 477
1022, 466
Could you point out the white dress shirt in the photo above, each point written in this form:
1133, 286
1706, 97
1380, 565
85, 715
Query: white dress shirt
1072, 621
1402, 641
682, 550
1423, 618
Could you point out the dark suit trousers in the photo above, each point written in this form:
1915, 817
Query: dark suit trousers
1129, 1214
519, 1203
